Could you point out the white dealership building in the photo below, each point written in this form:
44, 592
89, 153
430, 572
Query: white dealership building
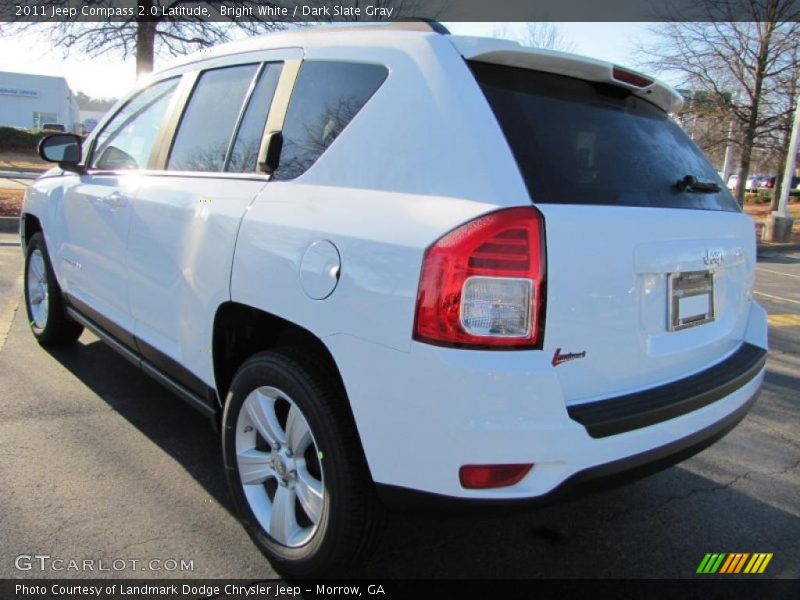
29, 101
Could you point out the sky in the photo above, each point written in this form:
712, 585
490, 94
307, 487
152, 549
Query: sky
111, 76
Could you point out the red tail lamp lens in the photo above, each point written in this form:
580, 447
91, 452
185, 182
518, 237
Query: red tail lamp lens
480, 477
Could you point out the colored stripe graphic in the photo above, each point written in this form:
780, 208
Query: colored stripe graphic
741, 562
726, 566
710, 563
703, 563
765, 563
718, 563
735, 561
752, 563
758, 563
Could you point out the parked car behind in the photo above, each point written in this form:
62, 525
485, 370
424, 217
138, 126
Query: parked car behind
769, 183
754, 182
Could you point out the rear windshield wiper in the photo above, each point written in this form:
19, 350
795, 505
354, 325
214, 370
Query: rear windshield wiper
690, 185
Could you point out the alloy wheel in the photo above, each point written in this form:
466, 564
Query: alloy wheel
38, 294
280, 466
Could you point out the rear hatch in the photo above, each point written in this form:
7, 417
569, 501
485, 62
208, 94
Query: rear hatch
648, 277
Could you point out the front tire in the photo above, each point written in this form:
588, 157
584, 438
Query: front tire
43, 300
295, 467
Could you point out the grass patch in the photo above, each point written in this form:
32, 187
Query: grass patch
10, 202
11, 160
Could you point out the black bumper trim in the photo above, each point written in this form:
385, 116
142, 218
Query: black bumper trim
600, 477
611, 416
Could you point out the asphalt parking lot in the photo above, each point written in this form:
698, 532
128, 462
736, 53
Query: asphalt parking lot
99, 462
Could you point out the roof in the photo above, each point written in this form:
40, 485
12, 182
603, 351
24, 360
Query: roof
305, 37
482, 49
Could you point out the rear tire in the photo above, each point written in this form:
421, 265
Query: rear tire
44, 302
295, 467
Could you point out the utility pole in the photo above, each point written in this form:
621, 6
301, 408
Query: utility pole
727, 162
780, 222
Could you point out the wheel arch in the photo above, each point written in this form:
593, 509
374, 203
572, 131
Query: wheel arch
240, 331
29, 226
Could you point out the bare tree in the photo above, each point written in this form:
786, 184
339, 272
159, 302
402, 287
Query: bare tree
740, 65
156, 26
542, 34
706, 122
174, 27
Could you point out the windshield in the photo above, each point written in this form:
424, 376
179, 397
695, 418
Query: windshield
580, 142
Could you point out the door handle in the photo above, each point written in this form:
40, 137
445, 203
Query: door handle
115, 200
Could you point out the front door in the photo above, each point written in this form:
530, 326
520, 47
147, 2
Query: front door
95, 211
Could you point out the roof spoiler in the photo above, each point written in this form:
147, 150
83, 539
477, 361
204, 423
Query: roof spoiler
511, 54
409, 24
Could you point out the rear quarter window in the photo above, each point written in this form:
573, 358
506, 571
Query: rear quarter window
580, 142
326, 97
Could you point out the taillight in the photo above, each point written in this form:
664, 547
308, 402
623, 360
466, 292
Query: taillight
479, 477
482, 284
631, 78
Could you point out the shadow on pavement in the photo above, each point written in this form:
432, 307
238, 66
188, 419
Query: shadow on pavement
658, 527
173, 425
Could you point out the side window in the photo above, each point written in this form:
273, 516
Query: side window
128, 138
206, 128
244, 154
326, 97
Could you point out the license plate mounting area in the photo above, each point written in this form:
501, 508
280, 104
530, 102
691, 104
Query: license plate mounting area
691, 299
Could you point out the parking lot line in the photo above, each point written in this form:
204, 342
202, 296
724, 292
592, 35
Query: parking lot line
777, 298
9, 310
792, 320
777, 272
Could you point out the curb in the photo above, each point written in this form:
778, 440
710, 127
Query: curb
18, 175
9, 225
29, 170
774, 249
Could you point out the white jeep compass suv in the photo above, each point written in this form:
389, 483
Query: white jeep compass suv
396, 265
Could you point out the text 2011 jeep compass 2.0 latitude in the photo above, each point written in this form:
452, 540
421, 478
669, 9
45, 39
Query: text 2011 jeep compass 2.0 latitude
396, 263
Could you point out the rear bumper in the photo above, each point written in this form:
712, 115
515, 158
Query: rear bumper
632, 411
595, 478
423, 414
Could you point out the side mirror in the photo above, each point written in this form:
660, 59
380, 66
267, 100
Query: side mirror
64, 149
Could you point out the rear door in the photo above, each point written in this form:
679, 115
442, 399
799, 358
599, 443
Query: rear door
187, 213
649, 278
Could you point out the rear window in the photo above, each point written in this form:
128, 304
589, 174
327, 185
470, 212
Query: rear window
579, 142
